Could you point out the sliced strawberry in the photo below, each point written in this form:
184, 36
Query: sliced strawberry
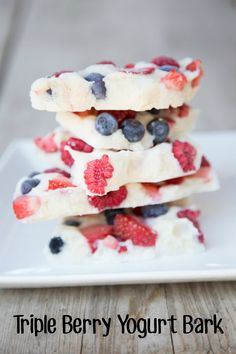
47, 143
59, 183
96, 232
163, 60
194, 65
129, 227
197, 80
25, 206
185, 153
110, 200
174, 80
96, 174
129, 66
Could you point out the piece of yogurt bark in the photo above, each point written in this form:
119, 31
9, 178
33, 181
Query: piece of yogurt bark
102, 171
110, 129
125, 235
161, 83
52, 194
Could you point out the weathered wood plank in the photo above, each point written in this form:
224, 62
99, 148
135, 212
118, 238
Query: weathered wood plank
204, 300
88, 302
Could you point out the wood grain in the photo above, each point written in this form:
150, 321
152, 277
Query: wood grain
38, 37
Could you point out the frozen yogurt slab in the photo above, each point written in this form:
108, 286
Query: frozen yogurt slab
51, 194
127, 235
161, 83
22, 263
101, 171
107, 130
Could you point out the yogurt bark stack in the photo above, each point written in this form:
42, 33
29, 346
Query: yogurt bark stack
120, 164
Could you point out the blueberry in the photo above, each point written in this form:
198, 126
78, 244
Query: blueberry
29, 184
56, 243
35, 173
133, 130
160, 129
49, 91
106, 124
168, 68
111, 214
152, 211
98, 86
72, 222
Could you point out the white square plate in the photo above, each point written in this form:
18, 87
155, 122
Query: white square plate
22, 263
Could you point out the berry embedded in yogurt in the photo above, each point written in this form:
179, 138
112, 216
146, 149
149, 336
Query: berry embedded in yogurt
127, 237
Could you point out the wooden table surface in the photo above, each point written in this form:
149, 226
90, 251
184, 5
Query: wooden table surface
39, 37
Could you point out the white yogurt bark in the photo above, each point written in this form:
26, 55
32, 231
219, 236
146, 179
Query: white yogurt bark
67, 200
85, 128
177, 232
102, 171
139, 86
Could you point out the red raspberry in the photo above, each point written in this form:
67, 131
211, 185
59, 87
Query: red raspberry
141, 71
163, 60
79, 145
205, 162
58, 73
130, 227
46, 143
57, 170
185, 153
192, 215
106, 62
74, 144
183, 111
65, 155
96, 174
95, 232
25, 206
110, 200
174, 80
59, 183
